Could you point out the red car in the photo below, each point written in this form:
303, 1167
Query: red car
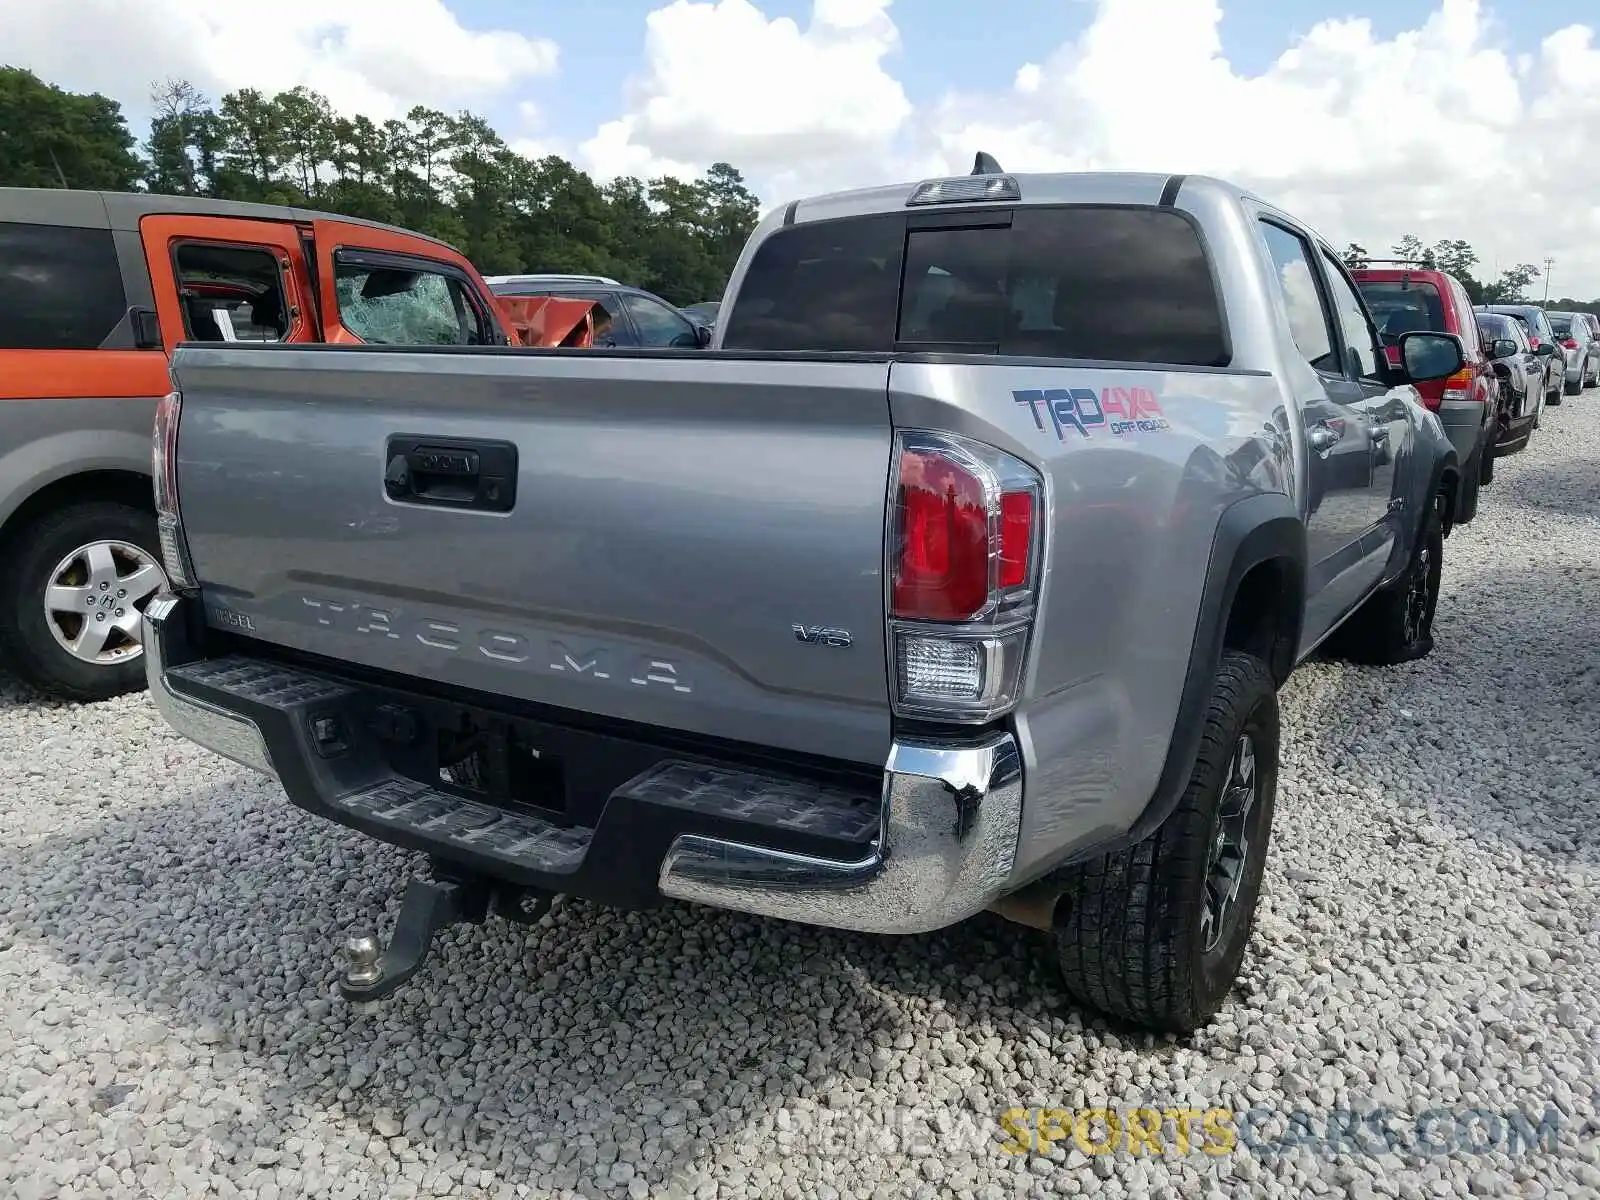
1403, 299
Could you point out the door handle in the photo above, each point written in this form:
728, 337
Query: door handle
453, 473
1325, 436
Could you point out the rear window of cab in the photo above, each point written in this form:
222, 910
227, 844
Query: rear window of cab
1123, 284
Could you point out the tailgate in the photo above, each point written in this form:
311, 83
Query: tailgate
673, 522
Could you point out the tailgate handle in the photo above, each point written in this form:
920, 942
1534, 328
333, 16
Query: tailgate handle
451, 473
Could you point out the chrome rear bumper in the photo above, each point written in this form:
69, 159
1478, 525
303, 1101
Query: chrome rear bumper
944, 851
222, 732
947, 836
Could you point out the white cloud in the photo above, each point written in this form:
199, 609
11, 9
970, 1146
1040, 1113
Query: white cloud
790, 106
1439, 130
378, 57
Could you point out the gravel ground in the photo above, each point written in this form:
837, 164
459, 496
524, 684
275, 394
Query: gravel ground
1429, 940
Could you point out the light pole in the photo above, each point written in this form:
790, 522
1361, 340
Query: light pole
1548, 263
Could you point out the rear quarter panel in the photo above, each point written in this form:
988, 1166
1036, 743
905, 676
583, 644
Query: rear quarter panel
1133, 502
65, 412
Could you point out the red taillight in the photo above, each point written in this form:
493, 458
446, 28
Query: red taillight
1533, 342
943, 569
1016, 537
964, 546
951, 558
164, 468
1569, 344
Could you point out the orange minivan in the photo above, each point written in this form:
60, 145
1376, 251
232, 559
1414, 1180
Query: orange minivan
96, 289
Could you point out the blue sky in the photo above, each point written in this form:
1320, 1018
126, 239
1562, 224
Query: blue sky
945, 43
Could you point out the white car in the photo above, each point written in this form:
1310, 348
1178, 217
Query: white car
1575, 334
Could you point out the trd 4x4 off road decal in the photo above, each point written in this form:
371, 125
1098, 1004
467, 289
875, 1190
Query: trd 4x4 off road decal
1117, 409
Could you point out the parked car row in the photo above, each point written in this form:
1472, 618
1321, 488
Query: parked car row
1518, 358
959, 573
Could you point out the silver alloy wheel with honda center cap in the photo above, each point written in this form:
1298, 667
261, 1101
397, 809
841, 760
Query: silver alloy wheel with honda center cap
77, 580
95, 600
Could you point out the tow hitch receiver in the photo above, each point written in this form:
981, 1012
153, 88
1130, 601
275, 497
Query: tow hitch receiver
372, 972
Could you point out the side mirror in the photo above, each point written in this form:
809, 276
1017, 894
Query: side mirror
1503, 348
702, 336
146, 328
1546, 349
1429, 356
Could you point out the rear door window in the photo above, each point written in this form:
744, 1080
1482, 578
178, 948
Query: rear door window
60, 287
1463, 306
827, 285
620, 331
1360, 347
230, 293
1119, 284
1309, 321
658, 325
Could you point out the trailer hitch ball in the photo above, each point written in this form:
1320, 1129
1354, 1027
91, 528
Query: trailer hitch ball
361, 952
372, 971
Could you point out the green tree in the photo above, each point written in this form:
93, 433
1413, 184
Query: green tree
1512, 286
252, 148
451, 176
1410, 249
53, 138
1356, 257
177, 135
308, 136
1454, 257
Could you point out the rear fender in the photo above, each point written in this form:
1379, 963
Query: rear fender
31, 465
1258, 529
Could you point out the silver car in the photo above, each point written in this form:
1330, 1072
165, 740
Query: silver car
1575, 335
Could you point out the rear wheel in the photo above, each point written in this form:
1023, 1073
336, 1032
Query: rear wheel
73, 599
1155, 934
1574, 386
1395, 625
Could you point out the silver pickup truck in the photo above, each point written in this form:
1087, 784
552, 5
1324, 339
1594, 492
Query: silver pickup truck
960, 574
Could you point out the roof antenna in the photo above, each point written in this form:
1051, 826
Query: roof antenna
985, 164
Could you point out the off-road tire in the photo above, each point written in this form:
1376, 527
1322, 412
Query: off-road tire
26, 643
1379, 632
1128, 934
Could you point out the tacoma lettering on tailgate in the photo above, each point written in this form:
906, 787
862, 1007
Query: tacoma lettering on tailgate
537, 652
